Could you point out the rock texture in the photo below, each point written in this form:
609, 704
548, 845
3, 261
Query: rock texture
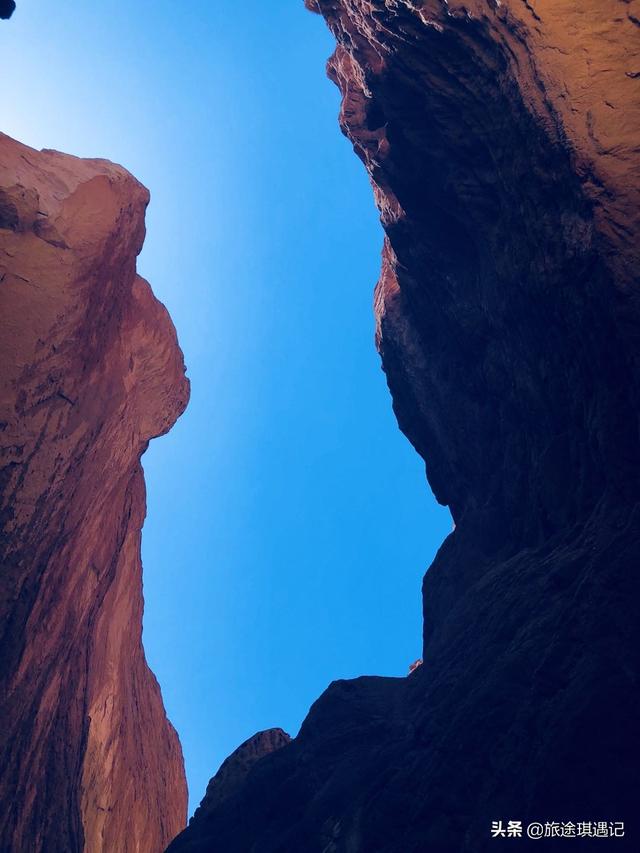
501, 137
90, 371
231, 776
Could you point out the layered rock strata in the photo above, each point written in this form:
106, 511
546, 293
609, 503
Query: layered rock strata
90, 371
501, 138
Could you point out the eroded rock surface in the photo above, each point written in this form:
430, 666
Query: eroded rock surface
90, 371
502, 143
231, 776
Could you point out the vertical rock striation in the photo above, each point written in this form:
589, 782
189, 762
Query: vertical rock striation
501, 138
90, 371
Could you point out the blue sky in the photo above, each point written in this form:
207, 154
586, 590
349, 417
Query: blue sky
289, 521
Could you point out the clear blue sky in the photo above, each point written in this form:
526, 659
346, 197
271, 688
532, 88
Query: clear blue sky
289, 521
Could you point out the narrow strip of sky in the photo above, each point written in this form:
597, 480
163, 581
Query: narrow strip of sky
289, 521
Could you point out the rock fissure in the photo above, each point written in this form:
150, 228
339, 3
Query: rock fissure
507, 320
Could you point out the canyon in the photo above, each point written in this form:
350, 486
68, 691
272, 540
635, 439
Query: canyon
501, 139
90, 372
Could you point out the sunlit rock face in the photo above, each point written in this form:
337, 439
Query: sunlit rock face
501, 141
90, 371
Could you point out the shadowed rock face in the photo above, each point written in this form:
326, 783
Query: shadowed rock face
234, 770
90, 371
501, 140
7, 8
231, 776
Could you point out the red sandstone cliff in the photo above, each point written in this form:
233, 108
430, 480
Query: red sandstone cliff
90, 371
501, 138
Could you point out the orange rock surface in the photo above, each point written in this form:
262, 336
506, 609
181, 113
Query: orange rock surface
90, 371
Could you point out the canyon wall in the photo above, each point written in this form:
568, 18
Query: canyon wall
234, 770
90, 371
501, 138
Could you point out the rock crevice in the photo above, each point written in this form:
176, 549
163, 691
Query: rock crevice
501, 142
